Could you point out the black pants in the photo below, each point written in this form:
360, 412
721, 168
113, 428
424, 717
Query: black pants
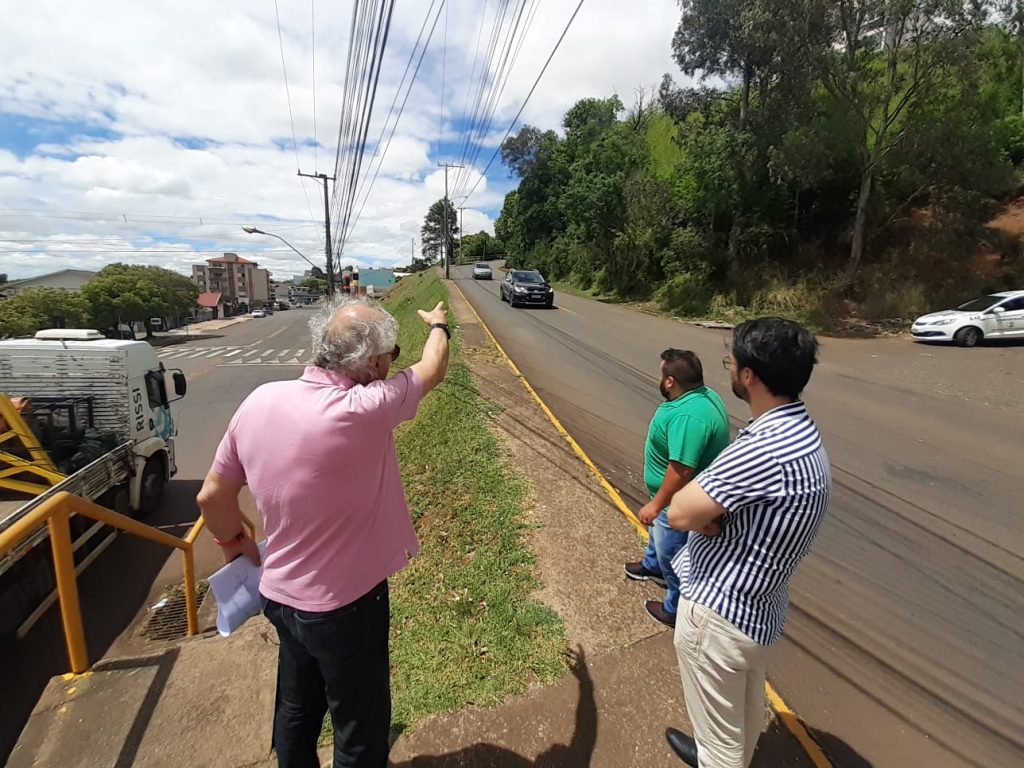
337, 661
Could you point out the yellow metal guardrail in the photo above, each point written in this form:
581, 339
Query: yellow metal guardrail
40, 464
55, 513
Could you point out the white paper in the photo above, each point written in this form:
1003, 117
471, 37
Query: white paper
236, 588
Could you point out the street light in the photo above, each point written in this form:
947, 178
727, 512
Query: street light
255, 231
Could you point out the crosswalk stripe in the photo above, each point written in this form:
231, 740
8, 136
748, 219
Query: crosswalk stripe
200, 353
283, 353
233, 353
175, 353
215, 352
266, 353
251, 352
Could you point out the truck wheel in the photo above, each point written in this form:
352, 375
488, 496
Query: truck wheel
968, 337
120, 500
153, 483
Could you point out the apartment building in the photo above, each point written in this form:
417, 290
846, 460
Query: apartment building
241, 283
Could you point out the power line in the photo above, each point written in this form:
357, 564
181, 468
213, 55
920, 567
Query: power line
291, 117
483, 109
48, 252
444, 66
312, 37
380, 161
376, 57
359, 56
536, 82
108, 216
502, 76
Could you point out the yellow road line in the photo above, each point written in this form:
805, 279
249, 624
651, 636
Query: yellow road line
787, 715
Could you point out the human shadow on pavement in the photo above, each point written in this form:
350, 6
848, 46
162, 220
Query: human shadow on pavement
777, 747
577, 752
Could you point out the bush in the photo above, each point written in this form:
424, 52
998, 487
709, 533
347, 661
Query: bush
686, 293
1010, 137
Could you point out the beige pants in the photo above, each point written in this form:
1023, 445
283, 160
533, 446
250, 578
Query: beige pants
723, 683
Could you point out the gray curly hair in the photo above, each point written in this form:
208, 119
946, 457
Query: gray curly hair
350, 330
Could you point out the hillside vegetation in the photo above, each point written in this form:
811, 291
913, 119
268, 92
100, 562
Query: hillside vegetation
837, 160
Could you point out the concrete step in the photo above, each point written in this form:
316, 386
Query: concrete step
205, 702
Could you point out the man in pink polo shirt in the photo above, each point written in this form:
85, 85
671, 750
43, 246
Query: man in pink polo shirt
318, 455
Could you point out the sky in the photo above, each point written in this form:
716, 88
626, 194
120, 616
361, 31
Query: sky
151, 132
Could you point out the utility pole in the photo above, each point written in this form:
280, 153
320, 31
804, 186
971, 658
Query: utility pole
327, 223
444, 241
460, 234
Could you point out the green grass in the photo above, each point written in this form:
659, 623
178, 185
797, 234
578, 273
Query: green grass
465, 627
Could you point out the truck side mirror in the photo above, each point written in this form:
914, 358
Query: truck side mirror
180, 385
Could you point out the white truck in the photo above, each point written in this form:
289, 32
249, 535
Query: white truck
101, 409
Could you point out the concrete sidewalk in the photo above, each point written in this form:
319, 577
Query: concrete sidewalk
204, 702
209, 326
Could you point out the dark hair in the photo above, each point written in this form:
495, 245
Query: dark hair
782, 353
684, 366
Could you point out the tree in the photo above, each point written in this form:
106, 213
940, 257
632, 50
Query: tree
126, 293
879, 59
35, 309
315, 284
1012, 12
726, 38
479, 247
432, 234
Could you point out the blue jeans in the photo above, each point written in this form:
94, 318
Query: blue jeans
663, 545
333, 661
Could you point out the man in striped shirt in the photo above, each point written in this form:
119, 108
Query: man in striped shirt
752, 515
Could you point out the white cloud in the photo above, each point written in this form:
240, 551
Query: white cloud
171, 121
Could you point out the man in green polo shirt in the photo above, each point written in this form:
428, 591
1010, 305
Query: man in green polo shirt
686, 434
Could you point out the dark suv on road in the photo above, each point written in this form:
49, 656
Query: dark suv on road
527, 287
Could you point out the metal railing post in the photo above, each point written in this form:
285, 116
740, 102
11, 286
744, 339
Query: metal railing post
67, 589
191, 608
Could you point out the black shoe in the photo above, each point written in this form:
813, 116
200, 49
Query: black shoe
684, 746
637, 572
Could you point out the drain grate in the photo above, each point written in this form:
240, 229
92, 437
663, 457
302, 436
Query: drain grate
168, 619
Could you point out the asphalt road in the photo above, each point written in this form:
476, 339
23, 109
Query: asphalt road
905, 639
131, 573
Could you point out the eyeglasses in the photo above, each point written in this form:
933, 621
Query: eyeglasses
395, 353
727, 362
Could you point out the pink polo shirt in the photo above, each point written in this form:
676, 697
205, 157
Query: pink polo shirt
318, 455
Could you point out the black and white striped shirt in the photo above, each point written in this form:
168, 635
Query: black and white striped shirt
774, 480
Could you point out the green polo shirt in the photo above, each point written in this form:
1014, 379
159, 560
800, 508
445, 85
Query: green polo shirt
690, 430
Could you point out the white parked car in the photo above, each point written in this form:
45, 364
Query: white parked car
998, 316
481, 271
258, 313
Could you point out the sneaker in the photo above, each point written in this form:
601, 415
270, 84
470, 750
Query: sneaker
637, 572
656, 610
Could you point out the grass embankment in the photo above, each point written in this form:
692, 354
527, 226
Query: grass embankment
465, 627
812, 302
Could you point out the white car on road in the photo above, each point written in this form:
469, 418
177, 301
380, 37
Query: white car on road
997, 316
258, 313
481, 271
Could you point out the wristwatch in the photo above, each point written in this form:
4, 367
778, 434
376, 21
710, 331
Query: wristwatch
444, 327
